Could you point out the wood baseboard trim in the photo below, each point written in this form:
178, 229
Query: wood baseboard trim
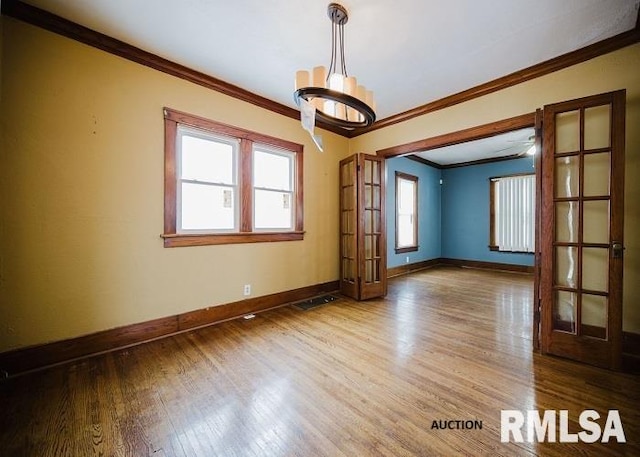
631, 343
631, 352
487, 265
411, 267
23, 360
417, 266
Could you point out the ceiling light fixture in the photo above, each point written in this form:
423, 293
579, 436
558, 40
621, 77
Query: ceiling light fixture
337, 97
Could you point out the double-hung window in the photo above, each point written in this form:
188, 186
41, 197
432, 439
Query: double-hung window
406, 213
207, 188
512, 212
227, 185
273, 188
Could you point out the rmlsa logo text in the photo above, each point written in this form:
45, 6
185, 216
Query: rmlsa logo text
553, 426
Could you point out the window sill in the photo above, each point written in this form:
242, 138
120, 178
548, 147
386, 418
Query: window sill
174, 240
497, 249
407, 249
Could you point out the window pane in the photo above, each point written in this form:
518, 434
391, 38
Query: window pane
272, 209
405, 230
206, 207
405, 197
406, 218
271, 170
514, 208
207, 160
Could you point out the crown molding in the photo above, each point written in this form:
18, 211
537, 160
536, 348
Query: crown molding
61, 26
56, 24
550, 66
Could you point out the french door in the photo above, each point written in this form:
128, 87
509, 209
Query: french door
581, 229
363, 261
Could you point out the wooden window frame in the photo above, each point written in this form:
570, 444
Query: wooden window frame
415, 247
246, 233
493, 245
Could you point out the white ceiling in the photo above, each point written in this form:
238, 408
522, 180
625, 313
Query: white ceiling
508, 144
409, 52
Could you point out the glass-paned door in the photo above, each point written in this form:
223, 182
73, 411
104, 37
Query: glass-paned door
349, 227
581, 236
373, 247
363, 270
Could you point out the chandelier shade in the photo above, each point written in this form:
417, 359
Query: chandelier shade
337, 97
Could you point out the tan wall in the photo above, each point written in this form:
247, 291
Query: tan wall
81, 187
617, 70
81, 196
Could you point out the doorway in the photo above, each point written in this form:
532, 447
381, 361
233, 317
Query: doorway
580, 318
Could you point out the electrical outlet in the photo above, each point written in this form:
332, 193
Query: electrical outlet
406, 260
247, 290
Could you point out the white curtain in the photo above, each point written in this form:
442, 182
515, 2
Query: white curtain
515, 213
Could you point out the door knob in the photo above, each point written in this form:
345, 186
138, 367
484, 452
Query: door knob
617, 249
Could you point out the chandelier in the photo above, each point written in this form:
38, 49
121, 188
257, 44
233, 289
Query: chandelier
336, 96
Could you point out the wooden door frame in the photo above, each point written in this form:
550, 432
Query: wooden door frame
538, 231
479, 132
461, 136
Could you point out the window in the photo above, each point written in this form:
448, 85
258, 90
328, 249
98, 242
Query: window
512, 213
406, 213
273, 189
227, 185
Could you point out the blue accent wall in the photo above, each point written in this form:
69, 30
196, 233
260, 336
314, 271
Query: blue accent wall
465, 211
429, 214
453, 218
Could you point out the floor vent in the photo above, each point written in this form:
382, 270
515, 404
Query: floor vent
313, 302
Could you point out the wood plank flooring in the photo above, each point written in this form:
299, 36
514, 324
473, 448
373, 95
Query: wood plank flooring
343, 379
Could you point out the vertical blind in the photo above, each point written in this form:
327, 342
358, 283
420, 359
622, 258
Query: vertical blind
515, 213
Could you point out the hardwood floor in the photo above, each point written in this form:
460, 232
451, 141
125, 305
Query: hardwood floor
343, 379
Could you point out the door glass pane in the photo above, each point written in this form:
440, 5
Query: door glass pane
347, 198
368, 270
567, 222
564, 311
596, 221
597, 127
567, 176
376, 197
368, 196
347, 173
594, 316
368, 171
596, 174
566, 266
368, 221
376, 245
595, 269
376, 172
347, 222
348, 270
368, 247
350, 246
567, 132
